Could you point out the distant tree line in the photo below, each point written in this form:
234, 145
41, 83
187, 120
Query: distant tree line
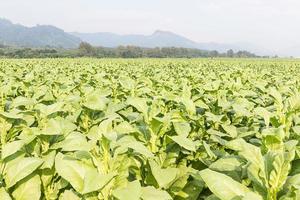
87, 50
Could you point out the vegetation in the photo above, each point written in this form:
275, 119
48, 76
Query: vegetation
87, 50
149, 129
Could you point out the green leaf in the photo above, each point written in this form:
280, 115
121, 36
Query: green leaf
280, 171
83, 177
96, 101
191, 190
94, 181
151, 193
22, 101
19, 169
127, 83
189, 105
50, 109
139, 103
28, 189
227, 164
11, 148
212, 197
139, 148
73, 142
250, 152
293, 181
72, 170
48, 160
68, 195
124, 127
231, 130
184, 142
131, 192
4, 195
209, 151
52, 127
276, 95
12, 115
295, 167
225, 187
264, 113
163, 177
182, 128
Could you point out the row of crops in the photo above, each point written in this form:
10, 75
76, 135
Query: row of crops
149, 129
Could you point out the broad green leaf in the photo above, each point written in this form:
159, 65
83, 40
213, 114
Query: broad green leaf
184, 142
131, 192
19, 169
124, 128
279, 174
96, 101
94, 181
212, 197
209, 151
227, 164
191, 190
22, 101
139, 148
139, 103
276, 94
225, 187
15, 114
52, 127
28, 189
182, 128
4, 195
231, 130
68, 195
189, 105
83, 177
250, 152
262, 112
295, 167
127, 83
73, 142
72, 170
11, 148
48, 160
163, 176
293, 181
50, 109
151, 193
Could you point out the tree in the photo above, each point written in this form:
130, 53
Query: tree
230, 53
85, 49
214, 53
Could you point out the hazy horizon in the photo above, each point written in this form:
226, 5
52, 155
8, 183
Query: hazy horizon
267, 24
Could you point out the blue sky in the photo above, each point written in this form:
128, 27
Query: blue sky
268, 23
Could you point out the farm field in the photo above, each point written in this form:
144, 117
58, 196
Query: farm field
150, 129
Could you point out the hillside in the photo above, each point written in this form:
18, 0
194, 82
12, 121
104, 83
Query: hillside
37, 36
50, 36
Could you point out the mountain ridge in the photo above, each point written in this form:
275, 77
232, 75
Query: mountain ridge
12, 34
37, 36
160, 38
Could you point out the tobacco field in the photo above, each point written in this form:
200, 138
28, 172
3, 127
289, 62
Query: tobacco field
149, 129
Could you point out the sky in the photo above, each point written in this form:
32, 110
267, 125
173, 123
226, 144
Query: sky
270, 24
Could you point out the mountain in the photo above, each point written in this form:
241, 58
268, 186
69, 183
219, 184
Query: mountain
37, 36
162, 39
157, 39
50, 36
